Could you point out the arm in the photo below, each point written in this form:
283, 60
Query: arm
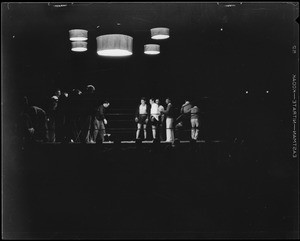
101, 114
189, 110
137, 114
183, 111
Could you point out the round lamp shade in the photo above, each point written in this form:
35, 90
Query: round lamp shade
78, 35
79, 46
160, 33
114, 45
152, 49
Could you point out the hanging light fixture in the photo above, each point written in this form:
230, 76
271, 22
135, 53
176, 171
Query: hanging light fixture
114, 45
78, 35
79, 46
151, 49
160, 33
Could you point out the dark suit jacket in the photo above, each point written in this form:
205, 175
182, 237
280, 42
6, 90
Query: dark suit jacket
100, 113
169, 112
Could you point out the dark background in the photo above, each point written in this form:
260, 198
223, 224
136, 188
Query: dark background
198, 61
45, 186
252, 52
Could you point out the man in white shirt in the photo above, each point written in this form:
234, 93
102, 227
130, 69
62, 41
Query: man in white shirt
154, 117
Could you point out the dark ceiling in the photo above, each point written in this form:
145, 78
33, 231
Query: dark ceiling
214, 50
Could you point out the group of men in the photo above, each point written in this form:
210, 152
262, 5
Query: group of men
80, 117
161, 118
74, 117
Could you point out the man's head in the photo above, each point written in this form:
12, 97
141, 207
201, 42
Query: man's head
151, 101
168, 100
157, 101
25, 102
106, 104
143, 100
58, 93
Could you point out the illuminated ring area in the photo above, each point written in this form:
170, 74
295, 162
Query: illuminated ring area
114, 52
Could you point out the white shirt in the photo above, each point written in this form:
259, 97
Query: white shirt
154, 111
143, 109
160, 109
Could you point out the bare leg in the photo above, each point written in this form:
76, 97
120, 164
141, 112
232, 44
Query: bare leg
193, 128
154, 132
196, 129
145, 131
138, 130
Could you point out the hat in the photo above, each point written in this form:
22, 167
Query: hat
90, 87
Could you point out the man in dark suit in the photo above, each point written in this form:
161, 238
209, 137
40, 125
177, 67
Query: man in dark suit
99, 122
33, 122
169, 114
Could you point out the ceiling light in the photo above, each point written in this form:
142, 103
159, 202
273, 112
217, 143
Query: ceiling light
160, 33
114, 45
151, 49
79, 46
78, 35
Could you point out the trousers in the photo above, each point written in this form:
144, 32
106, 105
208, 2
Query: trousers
98, 127
169, 129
